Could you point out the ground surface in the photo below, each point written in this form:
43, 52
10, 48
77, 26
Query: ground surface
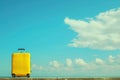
59, 78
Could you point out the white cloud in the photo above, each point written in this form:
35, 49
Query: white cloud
69, 62
99, 61
40, 68
55, 64
34, 66
80, 62
80, 67
101, 32
111, 59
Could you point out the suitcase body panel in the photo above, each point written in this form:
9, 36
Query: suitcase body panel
21, 63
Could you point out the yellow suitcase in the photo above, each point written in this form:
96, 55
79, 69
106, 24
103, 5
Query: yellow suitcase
21, 63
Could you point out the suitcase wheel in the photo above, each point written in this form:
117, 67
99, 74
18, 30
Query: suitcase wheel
13, 75
28, 75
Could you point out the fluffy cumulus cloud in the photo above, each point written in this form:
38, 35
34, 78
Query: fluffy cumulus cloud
55, 64
69, 62
34, 66
80, 61
110, 66
101, 32
99, 61
111, 59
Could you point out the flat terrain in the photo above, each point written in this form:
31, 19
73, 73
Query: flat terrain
59, 78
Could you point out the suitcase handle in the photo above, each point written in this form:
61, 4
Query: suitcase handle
21, 49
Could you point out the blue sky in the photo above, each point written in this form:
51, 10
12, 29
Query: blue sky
77, 38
